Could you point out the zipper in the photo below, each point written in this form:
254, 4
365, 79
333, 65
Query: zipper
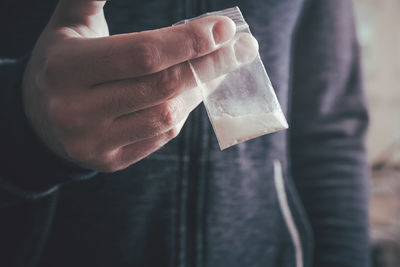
191, 212
195, 217
194, 148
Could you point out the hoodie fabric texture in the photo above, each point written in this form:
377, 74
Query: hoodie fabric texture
295, 198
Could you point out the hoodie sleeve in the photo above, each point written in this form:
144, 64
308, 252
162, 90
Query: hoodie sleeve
28, 169
328, 126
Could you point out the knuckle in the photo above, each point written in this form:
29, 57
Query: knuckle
168, 114
110, 163
85, 148
149, 57
197, 43
169, 82
120, 101
142, 89
171, 134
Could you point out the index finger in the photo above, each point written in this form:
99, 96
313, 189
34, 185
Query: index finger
131, 55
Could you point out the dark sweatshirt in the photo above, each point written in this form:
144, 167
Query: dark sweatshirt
293, 198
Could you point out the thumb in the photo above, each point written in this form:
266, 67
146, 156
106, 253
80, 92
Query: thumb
77, 12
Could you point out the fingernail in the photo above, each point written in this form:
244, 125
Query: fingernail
245, 47
223, 30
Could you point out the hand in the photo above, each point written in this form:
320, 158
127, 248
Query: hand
105, 102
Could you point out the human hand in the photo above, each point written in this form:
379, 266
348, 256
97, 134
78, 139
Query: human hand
105, 102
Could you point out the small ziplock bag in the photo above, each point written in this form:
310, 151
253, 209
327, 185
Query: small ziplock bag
242, 104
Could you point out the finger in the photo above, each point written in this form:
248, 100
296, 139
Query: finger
240, 51
127, 96
133, 153
123, 97
131, 55
76, 12
154, 121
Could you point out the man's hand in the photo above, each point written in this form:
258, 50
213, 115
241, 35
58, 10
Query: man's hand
105, 102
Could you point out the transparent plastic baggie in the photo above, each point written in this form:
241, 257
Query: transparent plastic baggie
242, 104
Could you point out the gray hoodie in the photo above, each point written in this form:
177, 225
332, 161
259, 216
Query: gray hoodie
294, 198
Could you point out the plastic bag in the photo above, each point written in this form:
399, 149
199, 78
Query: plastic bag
242, 104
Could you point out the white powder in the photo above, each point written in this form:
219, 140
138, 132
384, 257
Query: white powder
233, 130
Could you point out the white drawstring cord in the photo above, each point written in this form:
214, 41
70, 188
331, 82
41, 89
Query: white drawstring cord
286, 213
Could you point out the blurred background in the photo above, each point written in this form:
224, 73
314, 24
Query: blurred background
378, 23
